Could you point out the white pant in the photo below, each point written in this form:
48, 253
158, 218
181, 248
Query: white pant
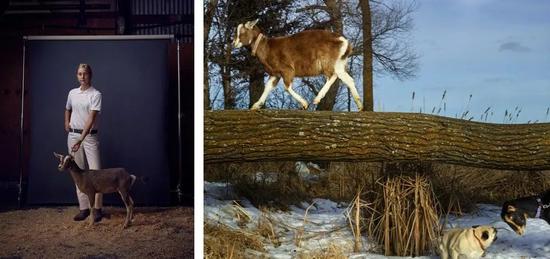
89, 148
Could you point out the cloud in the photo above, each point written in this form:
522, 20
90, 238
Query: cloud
514, 47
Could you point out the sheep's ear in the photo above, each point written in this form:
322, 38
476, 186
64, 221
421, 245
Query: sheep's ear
250, 24
58, 155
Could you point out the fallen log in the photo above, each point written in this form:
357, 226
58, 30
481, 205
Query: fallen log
289, 135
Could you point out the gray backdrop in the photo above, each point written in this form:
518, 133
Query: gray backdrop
132, 76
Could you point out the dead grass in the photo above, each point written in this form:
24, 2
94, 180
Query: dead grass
240, 213
339, 184
330, 252
473, 185
223, 242
265, 227
456, 189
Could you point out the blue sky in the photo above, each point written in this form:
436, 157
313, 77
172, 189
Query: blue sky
498, 51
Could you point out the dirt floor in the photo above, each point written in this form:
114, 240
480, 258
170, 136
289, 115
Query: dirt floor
51, 233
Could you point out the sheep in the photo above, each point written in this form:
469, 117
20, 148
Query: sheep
108, 180
307, 53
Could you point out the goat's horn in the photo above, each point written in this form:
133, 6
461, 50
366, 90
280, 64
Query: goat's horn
250, 24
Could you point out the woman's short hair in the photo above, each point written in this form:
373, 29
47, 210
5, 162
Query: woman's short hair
87, 67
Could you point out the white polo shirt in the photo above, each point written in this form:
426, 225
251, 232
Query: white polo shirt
81, 103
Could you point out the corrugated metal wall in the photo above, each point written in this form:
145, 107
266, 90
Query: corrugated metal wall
178, 9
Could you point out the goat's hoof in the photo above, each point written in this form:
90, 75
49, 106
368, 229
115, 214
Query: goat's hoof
316, 101
255, 107
304, 107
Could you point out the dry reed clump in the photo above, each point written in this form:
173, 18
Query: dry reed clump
404, 217
223, 242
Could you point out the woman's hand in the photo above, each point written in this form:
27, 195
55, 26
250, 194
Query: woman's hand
76, 146
67, 127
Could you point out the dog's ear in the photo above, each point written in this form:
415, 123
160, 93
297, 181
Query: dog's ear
485, 235
511, 208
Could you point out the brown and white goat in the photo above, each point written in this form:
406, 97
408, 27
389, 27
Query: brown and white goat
108, 180
307, 53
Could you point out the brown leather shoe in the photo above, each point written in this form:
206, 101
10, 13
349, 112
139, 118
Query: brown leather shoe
98, 215
82, 215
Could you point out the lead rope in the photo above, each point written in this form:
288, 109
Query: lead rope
539, 209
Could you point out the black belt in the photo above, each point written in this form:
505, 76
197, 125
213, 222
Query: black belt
79, 131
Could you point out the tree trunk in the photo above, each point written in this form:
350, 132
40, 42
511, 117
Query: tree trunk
368, 98
334, 8
208, 16
268, 135
228, 91
256, 79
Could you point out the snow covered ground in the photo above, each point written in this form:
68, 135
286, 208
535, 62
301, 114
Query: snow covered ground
326, 225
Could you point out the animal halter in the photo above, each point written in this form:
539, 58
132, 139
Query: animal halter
256, 43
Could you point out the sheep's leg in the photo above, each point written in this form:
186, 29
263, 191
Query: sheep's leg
324, 89
271, 82
124, 196
348, 80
